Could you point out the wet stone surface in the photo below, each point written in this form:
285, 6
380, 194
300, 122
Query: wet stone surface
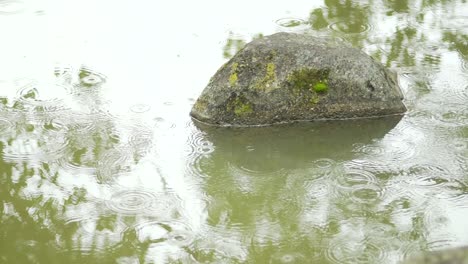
289, 77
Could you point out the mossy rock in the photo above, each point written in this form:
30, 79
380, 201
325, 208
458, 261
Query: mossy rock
289, 77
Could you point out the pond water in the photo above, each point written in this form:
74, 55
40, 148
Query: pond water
100, 162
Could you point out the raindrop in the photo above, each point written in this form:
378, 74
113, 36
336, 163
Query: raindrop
64, 75
38, 139
181, 237
426, 175
440, 244
114, 162
321, 168
410, 250
436, 219
368, 149
90, 78
199, 144
455, 92
198, 165
5, 124
290, 22
351, 178
323, 164
454, 117
316, 190
459, 145
163, 124
349, 28
347, 250
288, 258
366, 193
131, 202
141, 141
395, 149
153, 232
140, 108
42, 97
251, 167
465, 66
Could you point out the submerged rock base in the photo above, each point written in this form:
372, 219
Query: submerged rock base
290, 77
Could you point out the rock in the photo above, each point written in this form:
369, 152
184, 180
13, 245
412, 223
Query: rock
289, 77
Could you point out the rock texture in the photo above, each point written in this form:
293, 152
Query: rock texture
289, 77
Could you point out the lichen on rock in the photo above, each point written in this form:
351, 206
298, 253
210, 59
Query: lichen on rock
266, 83
233, 77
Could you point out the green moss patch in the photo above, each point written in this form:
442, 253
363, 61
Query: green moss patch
309, 79
321, 87
309, 83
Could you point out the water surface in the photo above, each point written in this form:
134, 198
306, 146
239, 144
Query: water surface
100, 162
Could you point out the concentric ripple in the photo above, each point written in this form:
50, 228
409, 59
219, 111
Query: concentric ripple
349, 28
432, 181
253, 167
90, 78
426, 175
141, 141
321, 168
368, 149
458, 146
351, 178
114, 162
465, 66
323, 164
5, 124
43, 97
366, 193
397, 149
131, 202
43, 140
290, 22
140, 108
199, 144
64, 75
288, 258
346, 250
153, 232
173, 232
457, 94
454, 117
164, 205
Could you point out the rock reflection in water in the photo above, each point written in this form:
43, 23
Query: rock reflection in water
256, 178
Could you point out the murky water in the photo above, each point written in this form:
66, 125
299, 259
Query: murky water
100, 162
